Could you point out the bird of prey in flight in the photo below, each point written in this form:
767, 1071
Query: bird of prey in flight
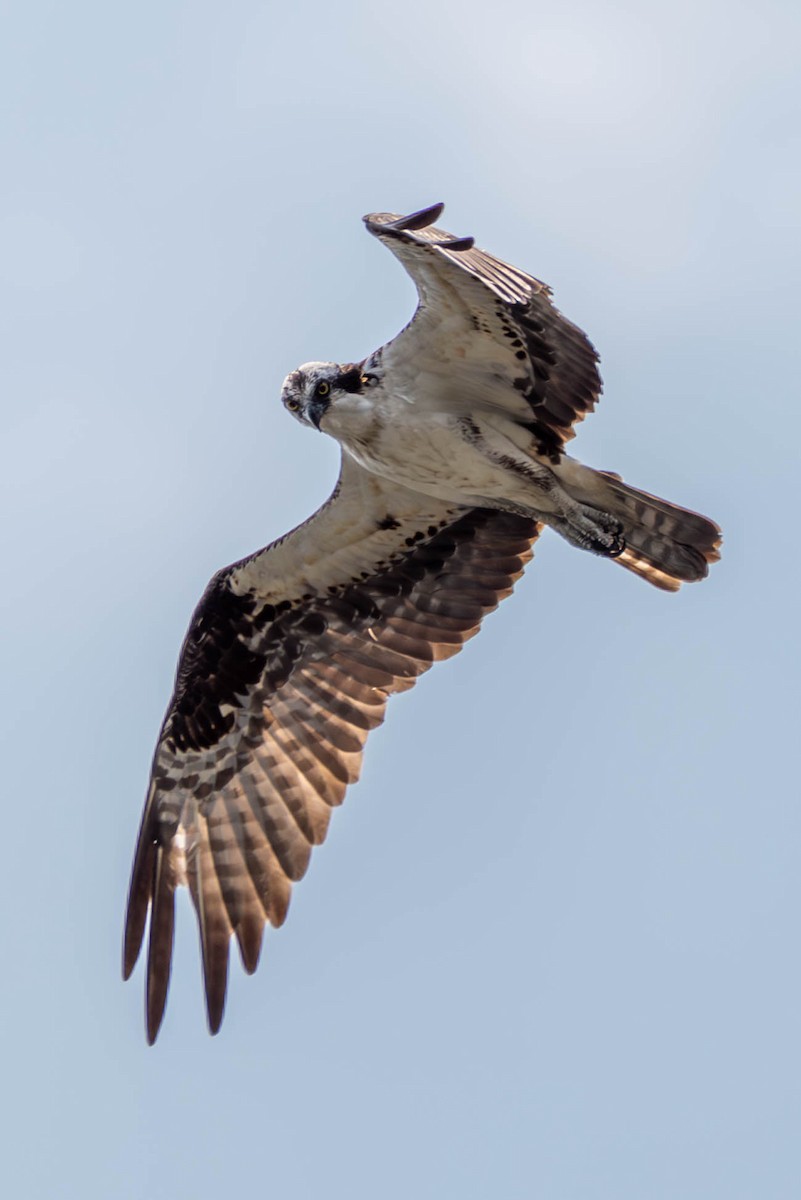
453, 459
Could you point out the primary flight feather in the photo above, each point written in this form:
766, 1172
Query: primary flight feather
453, 459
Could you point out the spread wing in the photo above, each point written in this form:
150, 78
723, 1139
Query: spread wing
288, 663
485, 334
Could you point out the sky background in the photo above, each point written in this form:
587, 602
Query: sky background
551, 947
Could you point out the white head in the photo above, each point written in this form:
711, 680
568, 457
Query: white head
314, 388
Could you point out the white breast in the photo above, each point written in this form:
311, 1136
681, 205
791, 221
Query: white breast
421, 449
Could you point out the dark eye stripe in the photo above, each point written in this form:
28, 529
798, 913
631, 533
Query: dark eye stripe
351, 381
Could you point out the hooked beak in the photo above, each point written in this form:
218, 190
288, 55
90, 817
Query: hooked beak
316, 411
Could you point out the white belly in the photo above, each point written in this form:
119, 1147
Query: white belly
428, 452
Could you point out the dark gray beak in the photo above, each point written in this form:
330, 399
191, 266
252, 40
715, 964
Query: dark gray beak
316, 410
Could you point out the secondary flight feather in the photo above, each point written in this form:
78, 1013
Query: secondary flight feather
453, 460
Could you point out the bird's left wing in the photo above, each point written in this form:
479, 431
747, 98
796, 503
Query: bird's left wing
485, 335
287, 665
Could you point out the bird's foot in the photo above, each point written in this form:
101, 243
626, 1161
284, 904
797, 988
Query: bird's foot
591, 529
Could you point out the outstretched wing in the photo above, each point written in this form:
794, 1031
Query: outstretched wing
287, 665
486, 333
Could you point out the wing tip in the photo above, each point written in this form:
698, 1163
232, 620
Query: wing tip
249, 938
382, 222
155, 1005
215, 1009
457, 244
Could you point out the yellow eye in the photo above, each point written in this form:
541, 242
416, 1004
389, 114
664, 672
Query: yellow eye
323, 388
293, 405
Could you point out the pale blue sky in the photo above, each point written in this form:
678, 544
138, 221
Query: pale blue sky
550, 950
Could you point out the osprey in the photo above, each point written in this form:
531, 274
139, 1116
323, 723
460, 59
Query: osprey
453, 459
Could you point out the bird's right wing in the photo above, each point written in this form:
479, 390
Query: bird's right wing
288, 663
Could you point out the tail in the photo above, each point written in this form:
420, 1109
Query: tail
664, 544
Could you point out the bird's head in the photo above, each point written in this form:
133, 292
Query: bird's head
315, 388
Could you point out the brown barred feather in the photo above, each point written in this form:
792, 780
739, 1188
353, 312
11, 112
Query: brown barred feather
269, 724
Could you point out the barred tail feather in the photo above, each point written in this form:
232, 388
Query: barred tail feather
665, 544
